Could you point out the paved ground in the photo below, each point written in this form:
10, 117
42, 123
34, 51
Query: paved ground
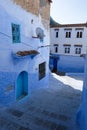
52, 108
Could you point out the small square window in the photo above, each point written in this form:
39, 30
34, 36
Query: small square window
78, 50
67, 50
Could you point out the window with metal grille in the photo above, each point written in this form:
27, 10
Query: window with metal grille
16, 33
42, 70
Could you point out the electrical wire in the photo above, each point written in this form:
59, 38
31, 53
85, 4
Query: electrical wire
23, 42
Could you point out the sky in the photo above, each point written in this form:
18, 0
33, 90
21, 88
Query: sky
69, 11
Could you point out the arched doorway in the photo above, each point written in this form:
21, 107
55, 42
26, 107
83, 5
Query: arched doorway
22, 85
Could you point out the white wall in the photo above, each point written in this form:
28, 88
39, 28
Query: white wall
61, 40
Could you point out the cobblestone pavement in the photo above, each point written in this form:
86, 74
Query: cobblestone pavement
52, 108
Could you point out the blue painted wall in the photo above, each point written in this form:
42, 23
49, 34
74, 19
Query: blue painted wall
72, 64
81, 117
10, 65
7, 87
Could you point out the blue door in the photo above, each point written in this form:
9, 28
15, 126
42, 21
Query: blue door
55, 63
22, 85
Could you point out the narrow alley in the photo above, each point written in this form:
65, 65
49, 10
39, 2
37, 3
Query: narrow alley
52, 108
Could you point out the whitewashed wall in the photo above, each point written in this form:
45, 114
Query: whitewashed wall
61, 40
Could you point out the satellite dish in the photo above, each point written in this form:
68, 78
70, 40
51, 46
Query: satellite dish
40, 33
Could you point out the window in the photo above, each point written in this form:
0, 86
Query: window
68, 34
67, 50
78, 50
79, 34
42, 70
56, 34
15, 33
56, 49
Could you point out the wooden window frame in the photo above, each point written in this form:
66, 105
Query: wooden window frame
15, 33
42, 70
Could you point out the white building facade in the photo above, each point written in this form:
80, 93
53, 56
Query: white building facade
69, 39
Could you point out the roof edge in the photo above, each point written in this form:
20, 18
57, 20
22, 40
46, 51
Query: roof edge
71, 25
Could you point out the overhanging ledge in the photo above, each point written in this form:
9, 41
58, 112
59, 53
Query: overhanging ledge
25, 53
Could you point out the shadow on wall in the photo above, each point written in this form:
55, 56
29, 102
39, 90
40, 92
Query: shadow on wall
54, 107
58, 72
65, 64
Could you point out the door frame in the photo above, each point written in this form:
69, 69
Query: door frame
23, 78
